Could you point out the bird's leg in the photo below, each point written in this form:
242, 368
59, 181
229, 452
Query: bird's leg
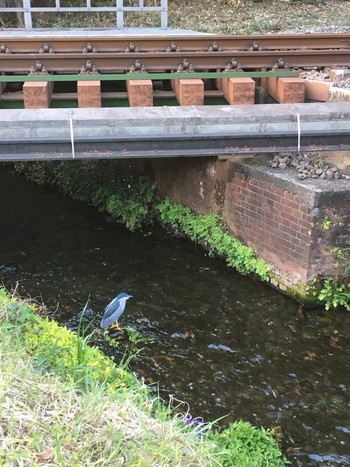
115, 327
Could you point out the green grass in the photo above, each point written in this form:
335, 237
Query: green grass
63, 402
214, 16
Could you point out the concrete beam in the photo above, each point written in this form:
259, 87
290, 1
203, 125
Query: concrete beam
174, 131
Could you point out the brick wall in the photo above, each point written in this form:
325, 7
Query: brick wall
284, 221
271, 220
279, 216
331, 230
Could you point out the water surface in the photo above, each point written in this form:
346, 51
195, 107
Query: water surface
222, 342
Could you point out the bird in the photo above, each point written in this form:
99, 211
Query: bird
114, 309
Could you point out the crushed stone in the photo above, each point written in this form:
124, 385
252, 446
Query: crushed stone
307, 166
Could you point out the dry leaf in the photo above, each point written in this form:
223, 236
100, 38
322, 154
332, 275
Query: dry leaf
43, 456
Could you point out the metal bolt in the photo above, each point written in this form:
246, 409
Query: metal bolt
4, 49
38, 66
173, 48
215, 47
130, 48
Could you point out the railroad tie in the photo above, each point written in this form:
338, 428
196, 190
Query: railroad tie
317, 90
140, 93
285, 90
189, 91
37, 94
89, 94
237, 91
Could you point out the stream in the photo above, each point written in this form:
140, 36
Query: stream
227, 345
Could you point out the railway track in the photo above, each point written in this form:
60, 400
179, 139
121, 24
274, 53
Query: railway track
183, 73
63, 134
67, 54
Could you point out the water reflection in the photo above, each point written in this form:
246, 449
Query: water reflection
227, 345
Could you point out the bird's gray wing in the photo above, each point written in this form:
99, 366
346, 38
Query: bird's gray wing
110, 309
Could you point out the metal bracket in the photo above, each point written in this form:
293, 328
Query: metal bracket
89, 48
173, 48
45, 49
88, 68
131, 48
215, 47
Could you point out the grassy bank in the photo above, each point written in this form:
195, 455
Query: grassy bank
64, 402
214, 16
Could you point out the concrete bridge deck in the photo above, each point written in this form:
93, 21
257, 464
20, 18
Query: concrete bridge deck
59, 134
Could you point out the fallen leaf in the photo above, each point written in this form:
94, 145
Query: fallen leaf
43, 456
310, 356
168, 358
291, 449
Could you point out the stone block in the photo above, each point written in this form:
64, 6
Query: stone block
317, 90
37, 94
338, 74
290, 90
2, 88
238, 91
89, 94
140, 93
285, 90
189, 91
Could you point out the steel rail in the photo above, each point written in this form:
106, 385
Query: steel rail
10, 43
204, 145
161, 61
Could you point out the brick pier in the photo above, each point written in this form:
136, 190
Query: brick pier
279, 216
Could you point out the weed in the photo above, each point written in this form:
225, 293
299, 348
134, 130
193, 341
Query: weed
326, 224
221, 16
241, 444
125, 197
210, 232
335, 291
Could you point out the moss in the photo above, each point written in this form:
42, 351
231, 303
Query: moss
301, 293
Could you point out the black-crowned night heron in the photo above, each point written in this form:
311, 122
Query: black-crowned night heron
114, 310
